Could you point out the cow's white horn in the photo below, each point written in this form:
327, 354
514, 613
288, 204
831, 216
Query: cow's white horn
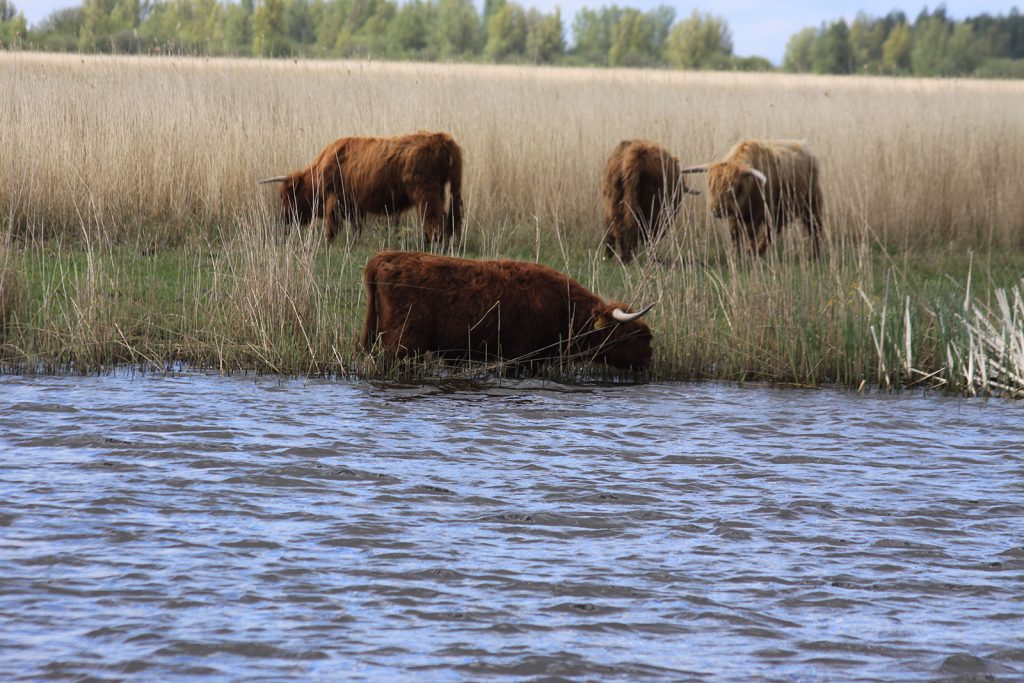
760, 176
278, 179
624, 317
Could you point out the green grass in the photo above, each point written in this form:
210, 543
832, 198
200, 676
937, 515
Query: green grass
255, 301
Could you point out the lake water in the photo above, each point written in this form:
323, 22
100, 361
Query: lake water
160, 528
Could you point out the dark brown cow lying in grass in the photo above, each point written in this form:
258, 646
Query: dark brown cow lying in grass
765, 184
642, 192
486, 310
353, 177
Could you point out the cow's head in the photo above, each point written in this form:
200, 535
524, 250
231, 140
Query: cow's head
619, 338
297, 203
732, 186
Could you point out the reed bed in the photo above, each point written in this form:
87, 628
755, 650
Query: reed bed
136, 233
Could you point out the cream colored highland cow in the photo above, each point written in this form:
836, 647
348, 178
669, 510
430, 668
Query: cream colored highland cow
763, 184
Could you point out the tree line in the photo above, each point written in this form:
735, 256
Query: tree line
932, 45
428, 30
508, 32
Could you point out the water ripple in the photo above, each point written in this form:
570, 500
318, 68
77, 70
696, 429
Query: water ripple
229, 528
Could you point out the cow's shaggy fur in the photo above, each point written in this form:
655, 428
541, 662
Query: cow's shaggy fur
356, 176
486, 310
642, 192
763, 184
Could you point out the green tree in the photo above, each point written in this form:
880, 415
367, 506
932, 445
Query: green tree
507, 31
238, 27
371, 36
194, 26
96, 24
269, 29
896, 50
831, 52
545, 38
59, 31
299, 24
592, 33
867, 36
407, 35
491, 7
929, 54
966, 51
798, 51
634, 40
751, 64
13, 27
702, 41
456, 30
662, 18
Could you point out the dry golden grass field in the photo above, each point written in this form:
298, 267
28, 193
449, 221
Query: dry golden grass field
136, 232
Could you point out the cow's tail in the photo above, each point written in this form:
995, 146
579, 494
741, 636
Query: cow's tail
453, 221
370, 324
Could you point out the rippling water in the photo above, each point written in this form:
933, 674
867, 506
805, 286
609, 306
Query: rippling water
167, 527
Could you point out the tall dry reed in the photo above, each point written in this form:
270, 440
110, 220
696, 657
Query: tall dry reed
165, 150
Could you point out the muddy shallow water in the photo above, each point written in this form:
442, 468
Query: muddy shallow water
157, 528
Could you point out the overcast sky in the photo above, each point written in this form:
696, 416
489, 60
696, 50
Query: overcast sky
759, 27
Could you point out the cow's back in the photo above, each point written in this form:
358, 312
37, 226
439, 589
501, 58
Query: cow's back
789, 164
461, 307
654, 174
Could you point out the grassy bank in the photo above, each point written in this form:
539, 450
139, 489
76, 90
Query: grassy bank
135, 233
263, 303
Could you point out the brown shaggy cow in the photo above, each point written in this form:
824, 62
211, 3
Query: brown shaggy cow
483, 310
352, 177
642, 192
765, 183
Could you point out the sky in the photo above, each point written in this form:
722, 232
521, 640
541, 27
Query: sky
759, 27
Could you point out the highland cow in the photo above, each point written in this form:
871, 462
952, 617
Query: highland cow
642, 192
763, 184
353, 177
488, 310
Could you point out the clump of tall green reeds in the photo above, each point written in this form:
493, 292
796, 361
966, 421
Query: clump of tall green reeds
12, 293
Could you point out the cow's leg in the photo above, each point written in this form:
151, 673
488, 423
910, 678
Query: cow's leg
767, 235
753, 230
330, 218
735, 230
358, 219
812, 220
627, 241
609, 244
431, 206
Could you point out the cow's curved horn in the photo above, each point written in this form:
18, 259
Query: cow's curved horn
757, 174
624, 317
277, 179
703, 168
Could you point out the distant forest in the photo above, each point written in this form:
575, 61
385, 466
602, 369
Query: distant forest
932, 44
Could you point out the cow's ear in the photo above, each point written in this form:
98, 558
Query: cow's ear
600, 322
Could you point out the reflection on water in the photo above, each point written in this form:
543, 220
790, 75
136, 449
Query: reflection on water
155, 527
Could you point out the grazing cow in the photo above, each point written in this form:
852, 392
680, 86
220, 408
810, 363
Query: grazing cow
765, 183
352, 177
642, 192
461, 308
